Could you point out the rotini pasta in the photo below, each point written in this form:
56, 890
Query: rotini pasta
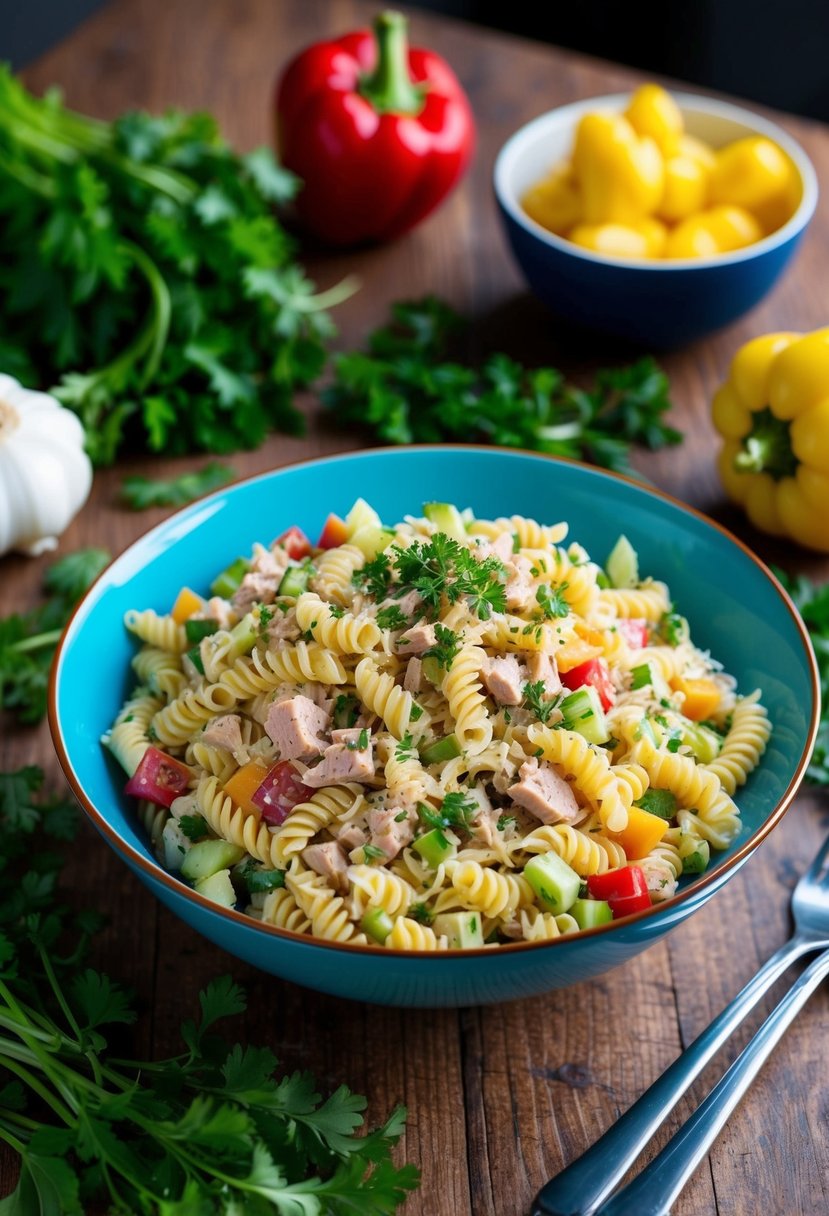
448, 742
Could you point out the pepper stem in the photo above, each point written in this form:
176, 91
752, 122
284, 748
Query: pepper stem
767, 448
390, 88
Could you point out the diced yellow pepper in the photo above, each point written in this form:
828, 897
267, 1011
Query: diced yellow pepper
612, 240
620, 173
244, 783
652, 111
642, 834
655, 234
697, 149
750, 173
686, 188
574, 652
702, 697
187, 603
555, 201
712, 232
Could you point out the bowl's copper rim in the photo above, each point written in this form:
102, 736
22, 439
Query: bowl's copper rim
156, 872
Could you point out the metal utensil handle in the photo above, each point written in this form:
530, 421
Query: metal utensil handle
654, 1191
580, 1188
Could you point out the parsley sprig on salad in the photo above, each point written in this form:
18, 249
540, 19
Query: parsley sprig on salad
436, 568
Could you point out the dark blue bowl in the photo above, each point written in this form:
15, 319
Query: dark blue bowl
658, 304
736, 609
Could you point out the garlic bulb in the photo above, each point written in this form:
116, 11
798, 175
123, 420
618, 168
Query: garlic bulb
45, 474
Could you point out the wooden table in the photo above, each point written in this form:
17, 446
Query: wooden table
502, 1097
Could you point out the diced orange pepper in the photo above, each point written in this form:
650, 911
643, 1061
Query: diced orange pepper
187, 603
244, 783
702, 697
642, 834
574, 653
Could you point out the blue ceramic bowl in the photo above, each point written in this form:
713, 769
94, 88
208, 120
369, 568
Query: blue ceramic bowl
657, 304
735, 606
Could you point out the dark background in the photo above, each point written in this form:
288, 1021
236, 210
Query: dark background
772, 51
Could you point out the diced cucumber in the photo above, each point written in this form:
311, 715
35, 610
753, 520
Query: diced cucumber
582, 711
434, 847
218, 887
463, 929
208, 856
447, 517
555, 884
649, 674
227, 583
359, 516
587, 913
377, 923
695, 855
703, 742
431, 670
196, 630
446, 748
622, 565
371, 539
295, 580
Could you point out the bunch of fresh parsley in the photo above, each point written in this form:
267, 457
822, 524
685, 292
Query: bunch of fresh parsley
812, 602
405, 391
144, 277
213, 1130
28, 639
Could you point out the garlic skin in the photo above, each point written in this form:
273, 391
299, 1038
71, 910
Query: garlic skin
45, 474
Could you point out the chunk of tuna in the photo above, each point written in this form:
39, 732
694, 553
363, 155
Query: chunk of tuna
282, 627
413, 679
417, 639
255, 589
543, 667
519, 589
389, 832
409, 604
351, 835
329, 860
501, 548
273, 562
504, 679
218, 610
545, 794
295, 727
224, 732
341, 762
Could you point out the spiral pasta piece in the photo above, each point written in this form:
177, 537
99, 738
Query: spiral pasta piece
333, 803
705, 806
334, 571
375, 887
175, 724
160, 671
585, 853
649, 600
281, 909
588, 769
129, 737
379, 693
486, 890
462, 688
232, 823
537, 926
327, 911
343, 634
743, 745
408, 934
160, 632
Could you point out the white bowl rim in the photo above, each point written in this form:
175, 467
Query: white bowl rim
690, 102
154, 870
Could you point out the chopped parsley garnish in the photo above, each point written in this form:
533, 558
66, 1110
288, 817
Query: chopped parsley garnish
658, 802
337, 611
552, 601
673, 628
505, 821
421, 913
257, 879
391, 617
194, 827
641, 676
346, 711
446, 647
533, 694
507, 716
375, 576
361, 744
405, 749
371, 852
456, 811
401, 817
417, 712
442, 567
265, 617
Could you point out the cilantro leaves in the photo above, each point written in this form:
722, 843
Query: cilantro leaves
405, 391
142, 492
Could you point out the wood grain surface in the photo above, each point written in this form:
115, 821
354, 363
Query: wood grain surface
500, 1097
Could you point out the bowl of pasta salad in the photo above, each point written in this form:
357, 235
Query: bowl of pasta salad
429, 752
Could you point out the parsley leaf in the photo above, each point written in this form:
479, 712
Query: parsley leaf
443, 567
552, 602
658, 802
375, 576
534, 695
446, 647
405, 391
257, 879
142, 492
391, 617
194, 827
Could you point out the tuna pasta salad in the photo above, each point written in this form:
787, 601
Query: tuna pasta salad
443, 734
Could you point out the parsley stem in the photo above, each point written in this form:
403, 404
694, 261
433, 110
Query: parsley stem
327, 299
11, 1065
13, 1142
37, 641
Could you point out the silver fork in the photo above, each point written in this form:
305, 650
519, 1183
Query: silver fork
581, 1188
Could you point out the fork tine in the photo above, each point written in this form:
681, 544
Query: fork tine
814, 871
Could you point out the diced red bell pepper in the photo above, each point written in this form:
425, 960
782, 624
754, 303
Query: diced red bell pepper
295, 543
334, 533
635, 631
596, 673
280, 792
159, 778
626, 890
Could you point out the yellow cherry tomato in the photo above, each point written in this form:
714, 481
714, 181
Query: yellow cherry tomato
555, 201
686, 188
712, 232
620, 174
652, 111
750, 173
773, 413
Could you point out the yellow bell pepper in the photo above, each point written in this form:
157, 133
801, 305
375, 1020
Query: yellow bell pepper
702, 697
773, 414
187, 603
244, 783
652, 111
642, 834
555, 201
712, 232
753, 173
621, 174
644, 239
697, 149
686, 188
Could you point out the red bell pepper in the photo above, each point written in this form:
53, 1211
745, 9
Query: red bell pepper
334, 533
295, 543
280, 792
634, 630
626, 890
596, 673
378, 133
159, 778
